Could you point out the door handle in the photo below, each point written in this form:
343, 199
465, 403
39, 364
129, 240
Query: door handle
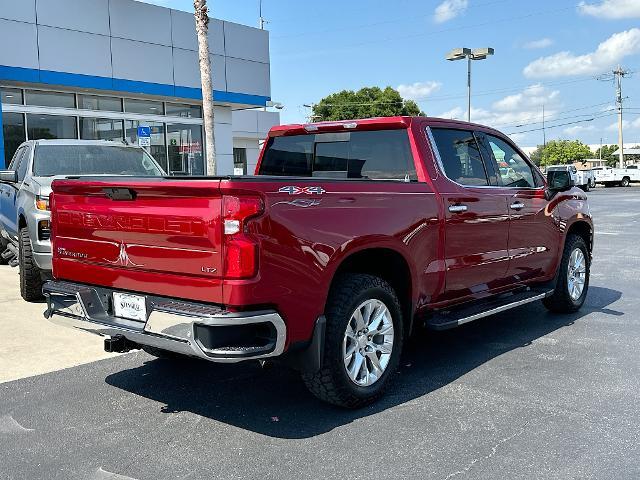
458, 208
516, 206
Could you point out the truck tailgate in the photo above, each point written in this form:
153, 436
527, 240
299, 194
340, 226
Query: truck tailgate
157, 236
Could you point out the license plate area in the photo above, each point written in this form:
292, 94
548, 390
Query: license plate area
132, 307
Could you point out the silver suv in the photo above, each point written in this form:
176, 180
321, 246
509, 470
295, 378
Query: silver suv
24, 196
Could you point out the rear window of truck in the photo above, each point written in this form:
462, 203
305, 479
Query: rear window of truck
374, 155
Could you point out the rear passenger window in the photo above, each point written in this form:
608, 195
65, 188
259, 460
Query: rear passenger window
374, 155
460, 156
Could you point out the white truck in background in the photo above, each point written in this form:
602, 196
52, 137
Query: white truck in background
585, 179
622, 177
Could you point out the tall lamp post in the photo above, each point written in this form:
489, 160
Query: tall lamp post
469, 54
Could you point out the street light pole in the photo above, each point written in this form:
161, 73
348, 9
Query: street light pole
475, 54
469, 89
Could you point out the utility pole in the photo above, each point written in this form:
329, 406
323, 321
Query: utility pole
619, 74
202, 29
600, 149
544, 132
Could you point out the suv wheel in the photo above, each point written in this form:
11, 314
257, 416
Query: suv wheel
573, 277
30, 274
625, 182
363, 342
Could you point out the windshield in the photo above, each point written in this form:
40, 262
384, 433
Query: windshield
52, 160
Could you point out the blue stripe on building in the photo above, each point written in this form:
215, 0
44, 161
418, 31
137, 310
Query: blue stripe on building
29, 75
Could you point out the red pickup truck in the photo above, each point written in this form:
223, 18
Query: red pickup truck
351, 235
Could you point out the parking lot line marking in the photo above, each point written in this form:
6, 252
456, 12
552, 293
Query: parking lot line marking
8, 424
102, 474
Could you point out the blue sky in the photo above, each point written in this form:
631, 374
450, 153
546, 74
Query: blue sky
546, 52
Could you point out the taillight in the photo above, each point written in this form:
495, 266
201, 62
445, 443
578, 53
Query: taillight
240, 247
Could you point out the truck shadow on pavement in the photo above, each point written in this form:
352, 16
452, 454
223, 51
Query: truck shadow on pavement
273, 401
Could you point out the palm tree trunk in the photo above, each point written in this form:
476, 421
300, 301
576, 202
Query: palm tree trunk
202, 29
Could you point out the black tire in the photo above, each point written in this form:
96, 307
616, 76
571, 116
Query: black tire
31, 278
560, 301
586, 187
625, 182
332, 384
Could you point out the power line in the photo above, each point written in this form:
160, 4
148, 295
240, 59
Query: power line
451, 29
553, 126
382, 22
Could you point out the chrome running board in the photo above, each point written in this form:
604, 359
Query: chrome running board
443, 320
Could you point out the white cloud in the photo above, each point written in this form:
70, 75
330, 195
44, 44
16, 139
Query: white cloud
418, 90
578, 129
541, 43
611, 9
626, 124
449, 9
532, 96
524, 108
608, 53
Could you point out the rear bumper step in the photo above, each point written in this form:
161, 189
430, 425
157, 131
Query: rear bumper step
199, 330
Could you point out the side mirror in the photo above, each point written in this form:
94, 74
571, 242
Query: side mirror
10, 176
559, 180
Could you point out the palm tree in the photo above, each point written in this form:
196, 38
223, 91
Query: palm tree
206, 78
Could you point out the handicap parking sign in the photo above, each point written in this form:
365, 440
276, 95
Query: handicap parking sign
144, 136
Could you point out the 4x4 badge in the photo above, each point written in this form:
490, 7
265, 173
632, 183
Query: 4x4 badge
294, 190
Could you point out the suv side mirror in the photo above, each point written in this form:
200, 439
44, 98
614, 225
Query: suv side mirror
10, 176
559, 180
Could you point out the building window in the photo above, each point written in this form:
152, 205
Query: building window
101, 129
11, 96
158, 148
13, 131
145, 107
96, 102
186, 111
239, 161
46, 127
50, 99
185, 150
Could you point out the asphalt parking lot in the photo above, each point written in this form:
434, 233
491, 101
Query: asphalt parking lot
523, 394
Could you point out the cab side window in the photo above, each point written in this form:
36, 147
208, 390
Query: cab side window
460, 156
513, 170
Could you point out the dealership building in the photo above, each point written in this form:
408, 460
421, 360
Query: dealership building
99, 69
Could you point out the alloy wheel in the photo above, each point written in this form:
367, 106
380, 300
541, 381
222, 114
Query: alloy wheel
368, 342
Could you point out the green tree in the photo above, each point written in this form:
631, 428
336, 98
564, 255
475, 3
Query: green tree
607, 155
536, 155
365, 103
563, 152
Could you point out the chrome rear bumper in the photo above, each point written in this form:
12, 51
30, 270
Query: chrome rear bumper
200, 330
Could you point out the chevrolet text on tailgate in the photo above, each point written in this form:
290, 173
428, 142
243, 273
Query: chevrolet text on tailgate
352, 235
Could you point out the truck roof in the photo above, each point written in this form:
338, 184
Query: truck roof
103, 143
375, 123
